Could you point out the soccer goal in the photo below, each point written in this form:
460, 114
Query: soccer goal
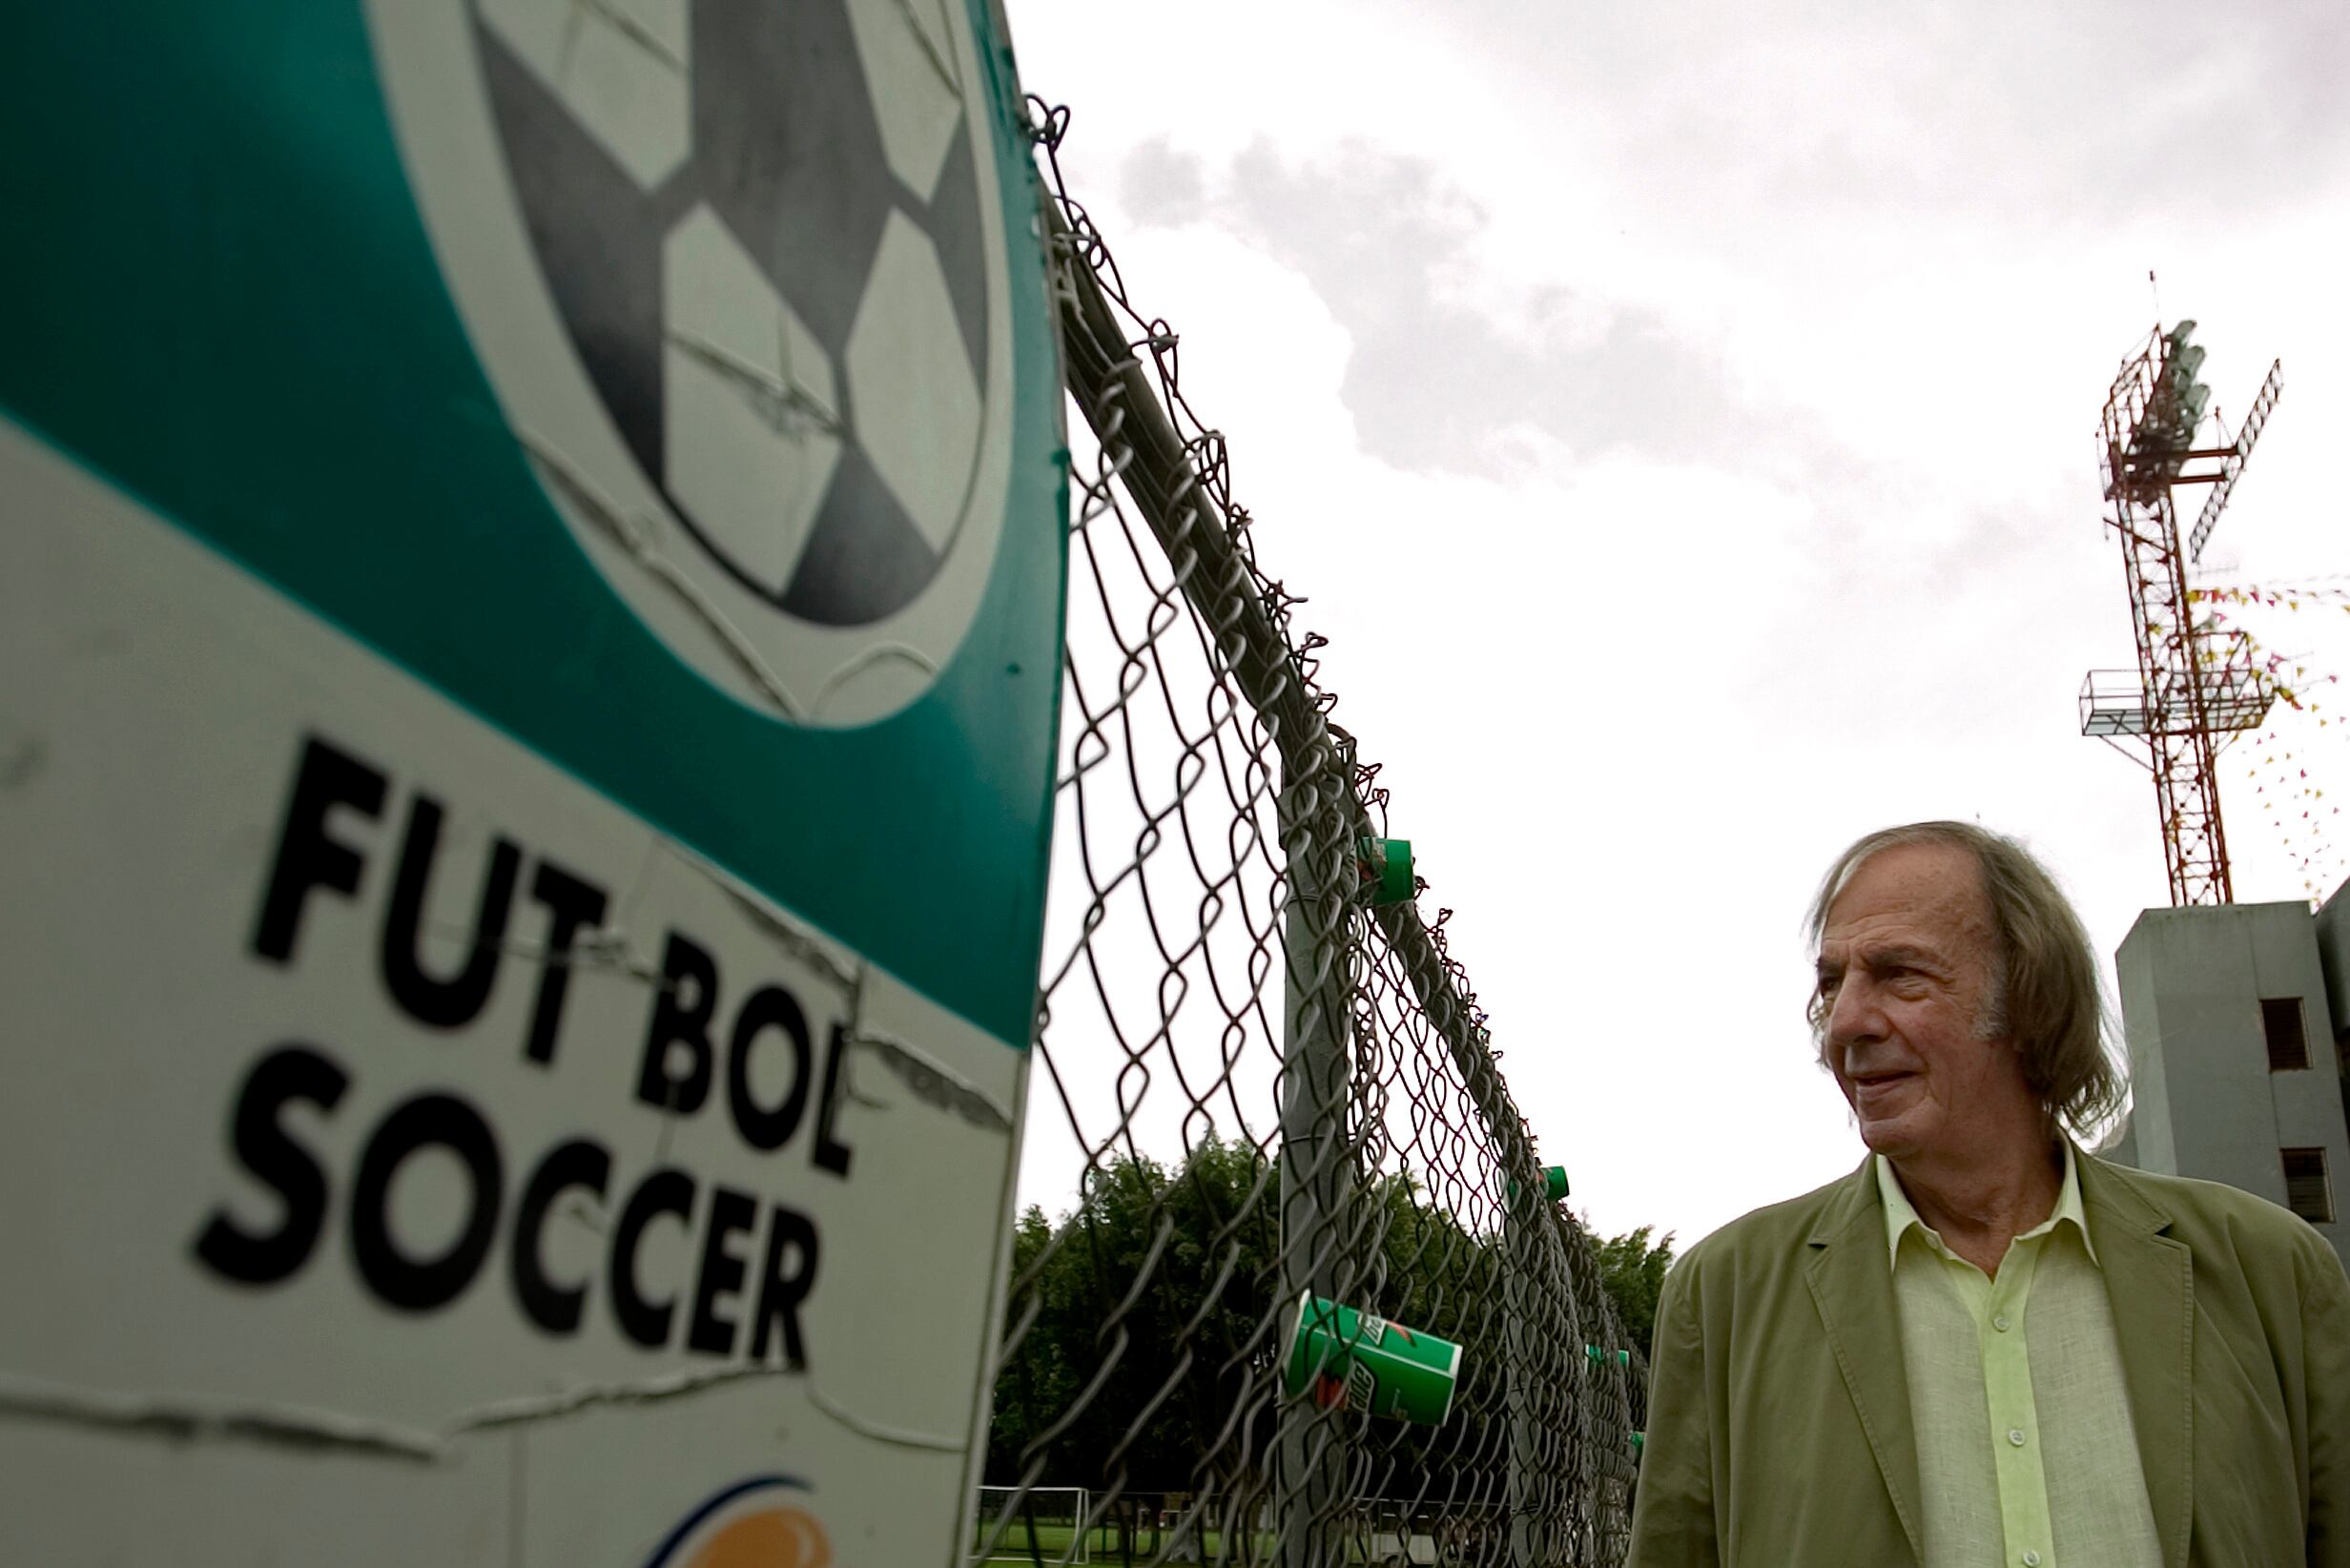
1055, 1513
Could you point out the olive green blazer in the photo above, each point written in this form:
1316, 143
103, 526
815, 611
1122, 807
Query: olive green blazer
1779, 1431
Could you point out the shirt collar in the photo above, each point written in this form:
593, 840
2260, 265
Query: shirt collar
1900, 1214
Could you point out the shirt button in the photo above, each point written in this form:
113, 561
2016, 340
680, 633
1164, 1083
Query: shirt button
2000, 1323
2031, 1559
2015, 1435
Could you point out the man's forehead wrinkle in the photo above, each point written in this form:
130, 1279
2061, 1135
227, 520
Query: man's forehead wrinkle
1925, 896
1872, 932
1888, 955
1880, 952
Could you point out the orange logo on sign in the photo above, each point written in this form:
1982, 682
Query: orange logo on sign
754, 1523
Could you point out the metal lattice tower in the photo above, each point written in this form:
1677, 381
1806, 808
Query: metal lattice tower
2196, 687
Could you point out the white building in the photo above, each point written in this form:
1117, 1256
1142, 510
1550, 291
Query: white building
2239, 1025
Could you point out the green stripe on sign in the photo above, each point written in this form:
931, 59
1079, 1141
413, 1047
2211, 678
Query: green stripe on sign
220, 298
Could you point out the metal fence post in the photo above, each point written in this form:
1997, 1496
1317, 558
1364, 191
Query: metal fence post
1317, 1015
1517, 1396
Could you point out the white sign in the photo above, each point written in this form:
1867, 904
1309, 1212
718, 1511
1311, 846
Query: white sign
413, 1158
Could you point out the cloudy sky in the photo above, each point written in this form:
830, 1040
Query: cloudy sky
1681, 420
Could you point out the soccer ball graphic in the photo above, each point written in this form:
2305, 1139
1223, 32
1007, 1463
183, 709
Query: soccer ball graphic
760, 221
767, 231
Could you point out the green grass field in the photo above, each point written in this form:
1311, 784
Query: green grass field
1053, 1540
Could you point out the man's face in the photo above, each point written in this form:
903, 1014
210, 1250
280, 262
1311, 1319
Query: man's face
1905, 969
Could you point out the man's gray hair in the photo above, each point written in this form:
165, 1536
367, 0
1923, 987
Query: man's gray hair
2043, 983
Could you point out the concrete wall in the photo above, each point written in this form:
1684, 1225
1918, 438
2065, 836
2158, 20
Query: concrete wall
2334, 952
2148, 1141
2205, 1103
2333, 925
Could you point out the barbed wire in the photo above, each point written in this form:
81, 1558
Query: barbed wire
1270, 1082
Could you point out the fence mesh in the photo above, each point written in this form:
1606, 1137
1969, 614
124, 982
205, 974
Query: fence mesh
1262, 1081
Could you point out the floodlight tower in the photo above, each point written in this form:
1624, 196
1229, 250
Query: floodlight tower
2195, 688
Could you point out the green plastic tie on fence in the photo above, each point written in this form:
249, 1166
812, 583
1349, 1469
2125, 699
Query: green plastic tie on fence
1623, 1358
1385, 865
1639, 1441
1554, 1185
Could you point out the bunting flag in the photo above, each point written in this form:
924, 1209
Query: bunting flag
2294, 756
2295, 803
2283, 596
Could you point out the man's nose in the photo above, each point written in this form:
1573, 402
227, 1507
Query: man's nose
1855, 1017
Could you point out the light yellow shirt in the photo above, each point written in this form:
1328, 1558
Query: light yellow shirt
2026, 1454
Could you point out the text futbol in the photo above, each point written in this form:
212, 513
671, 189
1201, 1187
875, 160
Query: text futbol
694, 1050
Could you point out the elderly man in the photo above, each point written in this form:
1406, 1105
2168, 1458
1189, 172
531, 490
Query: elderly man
1985, 1347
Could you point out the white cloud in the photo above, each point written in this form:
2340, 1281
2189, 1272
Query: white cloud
1636, 676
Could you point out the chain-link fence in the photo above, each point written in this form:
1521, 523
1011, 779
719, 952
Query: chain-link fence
1268, 1079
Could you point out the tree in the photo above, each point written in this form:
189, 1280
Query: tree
1172, 1360
1633, 1272
1167, 1387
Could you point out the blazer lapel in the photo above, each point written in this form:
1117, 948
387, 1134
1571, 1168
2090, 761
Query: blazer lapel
1852, 1286
2150, 1280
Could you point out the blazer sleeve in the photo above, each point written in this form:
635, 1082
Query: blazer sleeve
1673, 1515
2325, 1336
